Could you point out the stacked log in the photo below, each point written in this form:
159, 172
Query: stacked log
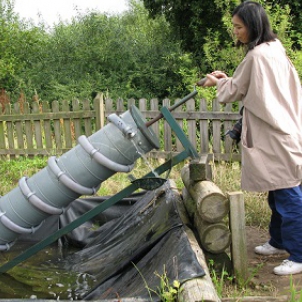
197, 289
208, 208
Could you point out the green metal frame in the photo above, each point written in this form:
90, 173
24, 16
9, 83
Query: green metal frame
188, 151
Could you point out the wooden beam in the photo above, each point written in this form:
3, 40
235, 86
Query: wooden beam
239, 245
198, 289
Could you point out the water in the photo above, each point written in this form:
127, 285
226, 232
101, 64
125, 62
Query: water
43, 277
145, 159
143, 156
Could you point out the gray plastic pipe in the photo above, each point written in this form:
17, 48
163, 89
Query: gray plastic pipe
80, 171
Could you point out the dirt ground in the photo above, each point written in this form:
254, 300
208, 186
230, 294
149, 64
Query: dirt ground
262, 277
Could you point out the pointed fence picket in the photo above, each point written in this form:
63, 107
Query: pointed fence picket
43, 128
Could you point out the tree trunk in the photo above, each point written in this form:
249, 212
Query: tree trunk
202, 288
211, 204
214, 237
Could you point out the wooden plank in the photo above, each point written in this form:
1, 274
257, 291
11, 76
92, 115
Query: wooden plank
179, 146
142, 106
76, 121
57, 126
282, 298
154, 107
47, 116
67, 126
28, 128
33, 152
191, 123
37, 126
10, 131
239, 245
19, 127
130, 103
2, 138
87, 122
120, 107
209, 115
204, 129
227, 125
109, 108
47, 126
216, 129
99, 108
167, 130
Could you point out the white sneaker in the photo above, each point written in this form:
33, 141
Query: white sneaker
288, 267
267, 250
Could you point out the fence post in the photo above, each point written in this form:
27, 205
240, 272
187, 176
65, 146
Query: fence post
100, 111
237, 226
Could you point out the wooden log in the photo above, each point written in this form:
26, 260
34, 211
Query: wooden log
214, 237
258, 299
237, 226
211, 204
189, 204
197, 289
200, 168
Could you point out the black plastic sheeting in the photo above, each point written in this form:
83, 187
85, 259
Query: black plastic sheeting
128, 247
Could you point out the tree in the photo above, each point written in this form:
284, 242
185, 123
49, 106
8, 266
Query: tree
192, 20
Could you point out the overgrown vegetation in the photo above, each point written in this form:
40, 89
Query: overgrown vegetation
129, 55
226, 176
132, 56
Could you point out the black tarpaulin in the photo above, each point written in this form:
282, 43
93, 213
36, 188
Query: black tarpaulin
134, 245
125, 250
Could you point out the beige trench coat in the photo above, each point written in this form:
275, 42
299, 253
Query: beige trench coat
269, 86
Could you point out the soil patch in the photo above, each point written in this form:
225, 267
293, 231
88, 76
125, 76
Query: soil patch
262, 277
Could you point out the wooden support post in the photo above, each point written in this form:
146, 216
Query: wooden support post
100, 111
239, 245
198, 289
200, 169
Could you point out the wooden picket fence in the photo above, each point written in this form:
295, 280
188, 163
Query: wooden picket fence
43, 128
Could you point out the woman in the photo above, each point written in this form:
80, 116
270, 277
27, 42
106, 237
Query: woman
269, 87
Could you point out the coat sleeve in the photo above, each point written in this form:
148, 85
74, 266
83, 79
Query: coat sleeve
234, 88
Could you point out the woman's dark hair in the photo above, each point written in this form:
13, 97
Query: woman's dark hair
256, 20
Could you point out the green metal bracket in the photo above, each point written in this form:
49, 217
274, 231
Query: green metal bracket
179, 133
188, 151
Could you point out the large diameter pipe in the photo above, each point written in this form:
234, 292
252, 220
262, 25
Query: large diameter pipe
80, 171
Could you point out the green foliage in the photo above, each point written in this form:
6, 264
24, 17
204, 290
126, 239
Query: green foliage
165, 291
205, 29
130, 55
191, 21
127, 56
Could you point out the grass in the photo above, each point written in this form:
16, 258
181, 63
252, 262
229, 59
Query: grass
225, 175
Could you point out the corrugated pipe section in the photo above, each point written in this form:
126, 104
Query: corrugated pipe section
78, 172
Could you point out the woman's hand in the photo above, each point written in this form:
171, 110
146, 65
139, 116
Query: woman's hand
212, 78
219, 74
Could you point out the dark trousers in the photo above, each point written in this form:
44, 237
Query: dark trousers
286, 221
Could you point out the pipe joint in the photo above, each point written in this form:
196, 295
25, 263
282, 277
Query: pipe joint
121, 125
67, 181
101, 158
17, 228
35, 200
